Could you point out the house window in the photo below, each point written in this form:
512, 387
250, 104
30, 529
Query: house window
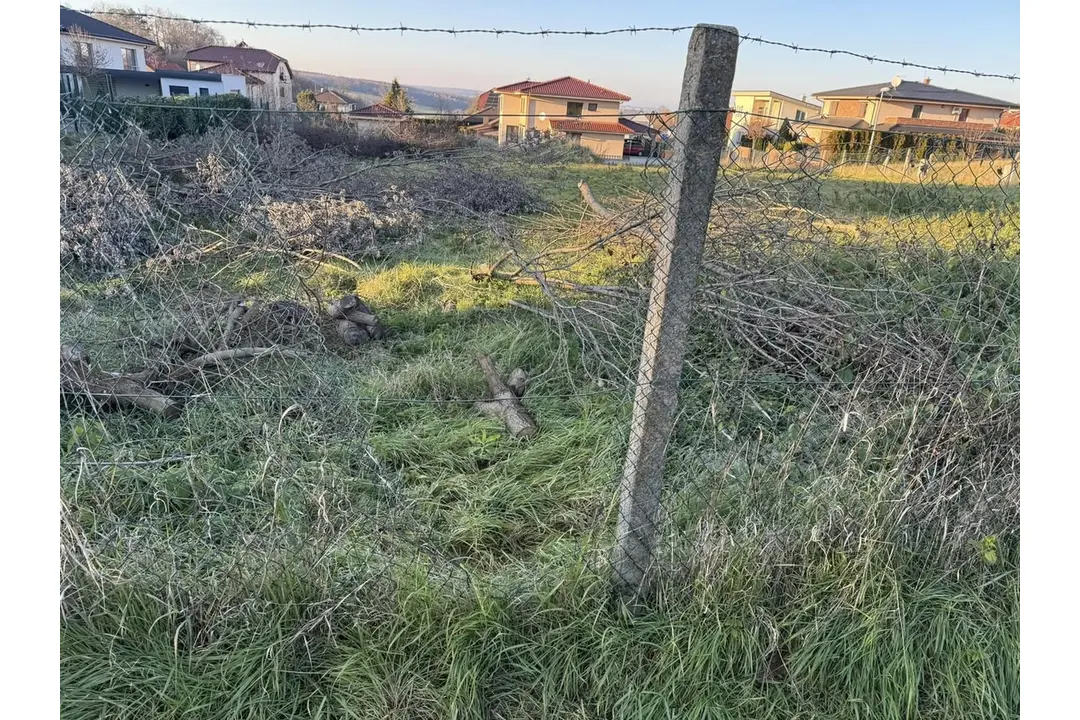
800, 115
129, 59
179, 90
204, 91
592, 107
524, 105
573, 109
83, 51
234, 92
962, 117
916, 112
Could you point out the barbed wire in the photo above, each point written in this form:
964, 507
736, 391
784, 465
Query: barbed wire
544, 32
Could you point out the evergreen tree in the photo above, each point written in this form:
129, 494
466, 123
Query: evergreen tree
397, 98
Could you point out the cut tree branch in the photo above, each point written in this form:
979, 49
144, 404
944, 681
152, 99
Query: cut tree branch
505, 404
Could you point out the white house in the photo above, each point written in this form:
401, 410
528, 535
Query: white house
195, 83
268, 77
117, 60
87, 43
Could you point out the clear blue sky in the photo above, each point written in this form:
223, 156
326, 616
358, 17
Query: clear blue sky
979, 35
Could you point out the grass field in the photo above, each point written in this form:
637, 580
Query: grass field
344, 536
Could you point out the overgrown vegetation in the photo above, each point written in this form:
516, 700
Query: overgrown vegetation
342, 535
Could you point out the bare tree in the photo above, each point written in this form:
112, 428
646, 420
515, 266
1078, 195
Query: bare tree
175, 37
84, 58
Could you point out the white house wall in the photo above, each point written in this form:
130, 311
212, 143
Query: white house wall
234, 83
113, 51
227, 84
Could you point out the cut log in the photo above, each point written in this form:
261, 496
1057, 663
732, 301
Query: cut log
518, 381
597, 208
350, 308
504, 404
350, 332
78, 378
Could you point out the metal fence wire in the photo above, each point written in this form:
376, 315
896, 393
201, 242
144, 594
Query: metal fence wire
740, 363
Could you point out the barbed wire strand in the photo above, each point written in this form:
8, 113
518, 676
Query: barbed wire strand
543, 32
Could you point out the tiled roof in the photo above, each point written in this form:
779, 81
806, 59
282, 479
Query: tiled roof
329, 96
570, 87
70, 20
931, 123
1010, 119
485, 100
515, 87
918, 92
379, 110
246, 59
588, 126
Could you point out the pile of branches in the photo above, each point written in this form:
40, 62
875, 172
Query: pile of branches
126, 197
215, 335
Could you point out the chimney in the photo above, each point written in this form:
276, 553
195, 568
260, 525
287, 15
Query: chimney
926, 81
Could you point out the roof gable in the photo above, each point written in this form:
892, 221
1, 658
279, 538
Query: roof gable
71, 20
380, 110
918, 92
567, 86
330, 96
241, 57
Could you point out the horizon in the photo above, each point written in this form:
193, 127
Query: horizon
646, 66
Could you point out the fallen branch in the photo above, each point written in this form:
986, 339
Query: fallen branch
505, 404
78, 378
587, 196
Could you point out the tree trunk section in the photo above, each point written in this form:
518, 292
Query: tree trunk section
504, 404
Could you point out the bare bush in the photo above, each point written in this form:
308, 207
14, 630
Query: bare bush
344, 226
106, 222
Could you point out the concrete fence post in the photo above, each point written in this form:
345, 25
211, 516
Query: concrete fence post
700, 138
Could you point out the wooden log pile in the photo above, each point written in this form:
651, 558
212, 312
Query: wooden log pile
354, 321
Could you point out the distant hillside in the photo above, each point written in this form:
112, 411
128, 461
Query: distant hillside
424, 99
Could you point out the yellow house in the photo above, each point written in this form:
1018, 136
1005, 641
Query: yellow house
585, 113
904, 106
769, 109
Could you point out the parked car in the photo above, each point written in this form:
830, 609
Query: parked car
634, 146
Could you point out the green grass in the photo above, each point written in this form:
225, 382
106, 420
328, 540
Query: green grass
344, 536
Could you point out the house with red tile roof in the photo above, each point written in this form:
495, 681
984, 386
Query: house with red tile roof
269, 77
373, 116
585, 113
333, 101
483, 117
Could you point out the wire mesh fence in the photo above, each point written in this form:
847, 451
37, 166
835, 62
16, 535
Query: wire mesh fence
272, 403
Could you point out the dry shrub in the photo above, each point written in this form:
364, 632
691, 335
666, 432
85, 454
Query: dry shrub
467, 190
338, 225
106, 221
337, 135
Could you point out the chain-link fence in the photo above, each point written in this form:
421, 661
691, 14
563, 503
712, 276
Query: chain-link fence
398, 393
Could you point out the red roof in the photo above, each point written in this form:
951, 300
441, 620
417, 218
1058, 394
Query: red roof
515, 87
567, 86
588, 126
930, 122
242, 57
329, 96
379, 109
1010, 119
